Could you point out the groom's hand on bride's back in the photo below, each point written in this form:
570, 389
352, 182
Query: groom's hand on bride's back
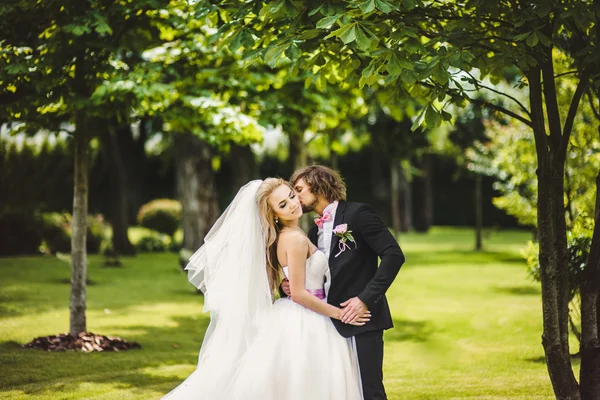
285, 287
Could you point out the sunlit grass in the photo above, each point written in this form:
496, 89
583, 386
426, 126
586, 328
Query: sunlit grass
467, 325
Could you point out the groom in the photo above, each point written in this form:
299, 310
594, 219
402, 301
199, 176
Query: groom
357, 283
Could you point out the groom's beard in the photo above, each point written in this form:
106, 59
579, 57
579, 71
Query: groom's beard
306, 208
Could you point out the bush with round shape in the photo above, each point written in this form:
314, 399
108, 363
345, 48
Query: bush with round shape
161, 215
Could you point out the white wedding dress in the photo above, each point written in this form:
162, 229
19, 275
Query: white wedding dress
255, 349
299, 354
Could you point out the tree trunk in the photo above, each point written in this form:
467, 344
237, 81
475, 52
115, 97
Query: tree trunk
119, 216
379, 186
395, 172
589, 375
243, 166
553, 242
406, 223
136, 165
478, 212
424, 195
77, 304
400, 198
335, 160
297, 148
299, 159
196, 188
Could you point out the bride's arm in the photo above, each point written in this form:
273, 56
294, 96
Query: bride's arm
296, 249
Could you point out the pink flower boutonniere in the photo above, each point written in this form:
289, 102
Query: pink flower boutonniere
345, 235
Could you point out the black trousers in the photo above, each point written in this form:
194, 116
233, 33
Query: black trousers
369, 346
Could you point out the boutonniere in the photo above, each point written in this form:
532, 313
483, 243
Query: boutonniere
345, 235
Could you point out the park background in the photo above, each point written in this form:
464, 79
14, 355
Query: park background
128, 127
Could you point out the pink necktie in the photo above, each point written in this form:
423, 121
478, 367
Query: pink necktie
326, 217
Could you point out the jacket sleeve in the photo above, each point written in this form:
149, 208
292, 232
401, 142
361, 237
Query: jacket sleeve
378, 237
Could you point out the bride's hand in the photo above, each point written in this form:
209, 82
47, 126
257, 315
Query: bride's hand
362, 320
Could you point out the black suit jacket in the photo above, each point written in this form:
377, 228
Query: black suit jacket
354, 273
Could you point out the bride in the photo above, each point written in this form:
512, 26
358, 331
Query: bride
253, 348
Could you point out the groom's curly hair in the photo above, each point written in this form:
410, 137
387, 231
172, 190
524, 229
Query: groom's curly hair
321, 181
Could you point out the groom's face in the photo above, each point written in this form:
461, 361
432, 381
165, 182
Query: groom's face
307, 199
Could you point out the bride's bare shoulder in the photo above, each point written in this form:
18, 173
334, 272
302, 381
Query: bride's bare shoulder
292, 240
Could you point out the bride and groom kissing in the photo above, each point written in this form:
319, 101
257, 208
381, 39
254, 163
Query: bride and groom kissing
323, 338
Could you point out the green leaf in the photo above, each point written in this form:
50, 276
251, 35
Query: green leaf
432, 117
310, 34
384, 6
293, 52
410, 4
544, 39
393, 66
236, 41
532, 40
418, 121
408, 76
362, 40
446, 115
367, 6
441, 75
273, 54
346, 33
327, 22
349, 35
522, 36
315, 10
103, 29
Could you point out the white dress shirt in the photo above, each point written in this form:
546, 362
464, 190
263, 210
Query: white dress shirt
324, 233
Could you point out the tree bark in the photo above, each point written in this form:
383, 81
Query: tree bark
400, 198
478, 212
196, 188
395, 172
77, 303
552, 235
406, 223
297, 148
119, 215
299, 159
589, 374
424, 195
243, 166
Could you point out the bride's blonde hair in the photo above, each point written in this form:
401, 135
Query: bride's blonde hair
270, 228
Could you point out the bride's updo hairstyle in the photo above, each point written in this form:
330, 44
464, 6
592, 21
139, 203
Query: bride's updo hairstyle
270, 227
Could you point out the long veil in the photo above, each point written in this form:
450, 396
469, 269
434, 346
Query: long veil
230, 269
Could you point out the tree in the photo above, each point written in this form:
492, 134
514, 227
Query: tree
56, 54
201, 100
432, 48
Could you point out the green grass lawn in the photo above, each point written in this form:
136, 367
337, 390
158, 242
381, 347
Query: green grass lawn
467, 325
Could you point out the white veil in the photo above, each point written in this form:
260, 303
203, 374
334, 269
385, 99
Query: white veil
230, 269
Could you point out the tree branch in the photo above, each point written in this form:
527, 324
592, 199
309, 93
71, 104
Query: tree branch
568, 127
479, 85
503, 110
594, 109
565, 73
487, 104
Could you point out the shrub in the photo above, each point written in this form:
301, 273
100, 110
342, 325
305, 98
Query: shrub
174, 246
154, 242
96, 233
161, 215
56, 230
19, 233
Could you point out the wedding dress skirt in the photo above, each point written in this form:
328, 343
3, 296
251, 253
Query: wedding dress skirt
297, 354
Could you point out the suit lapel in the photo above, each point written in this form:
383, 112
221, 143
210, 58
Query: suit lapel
339, 218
